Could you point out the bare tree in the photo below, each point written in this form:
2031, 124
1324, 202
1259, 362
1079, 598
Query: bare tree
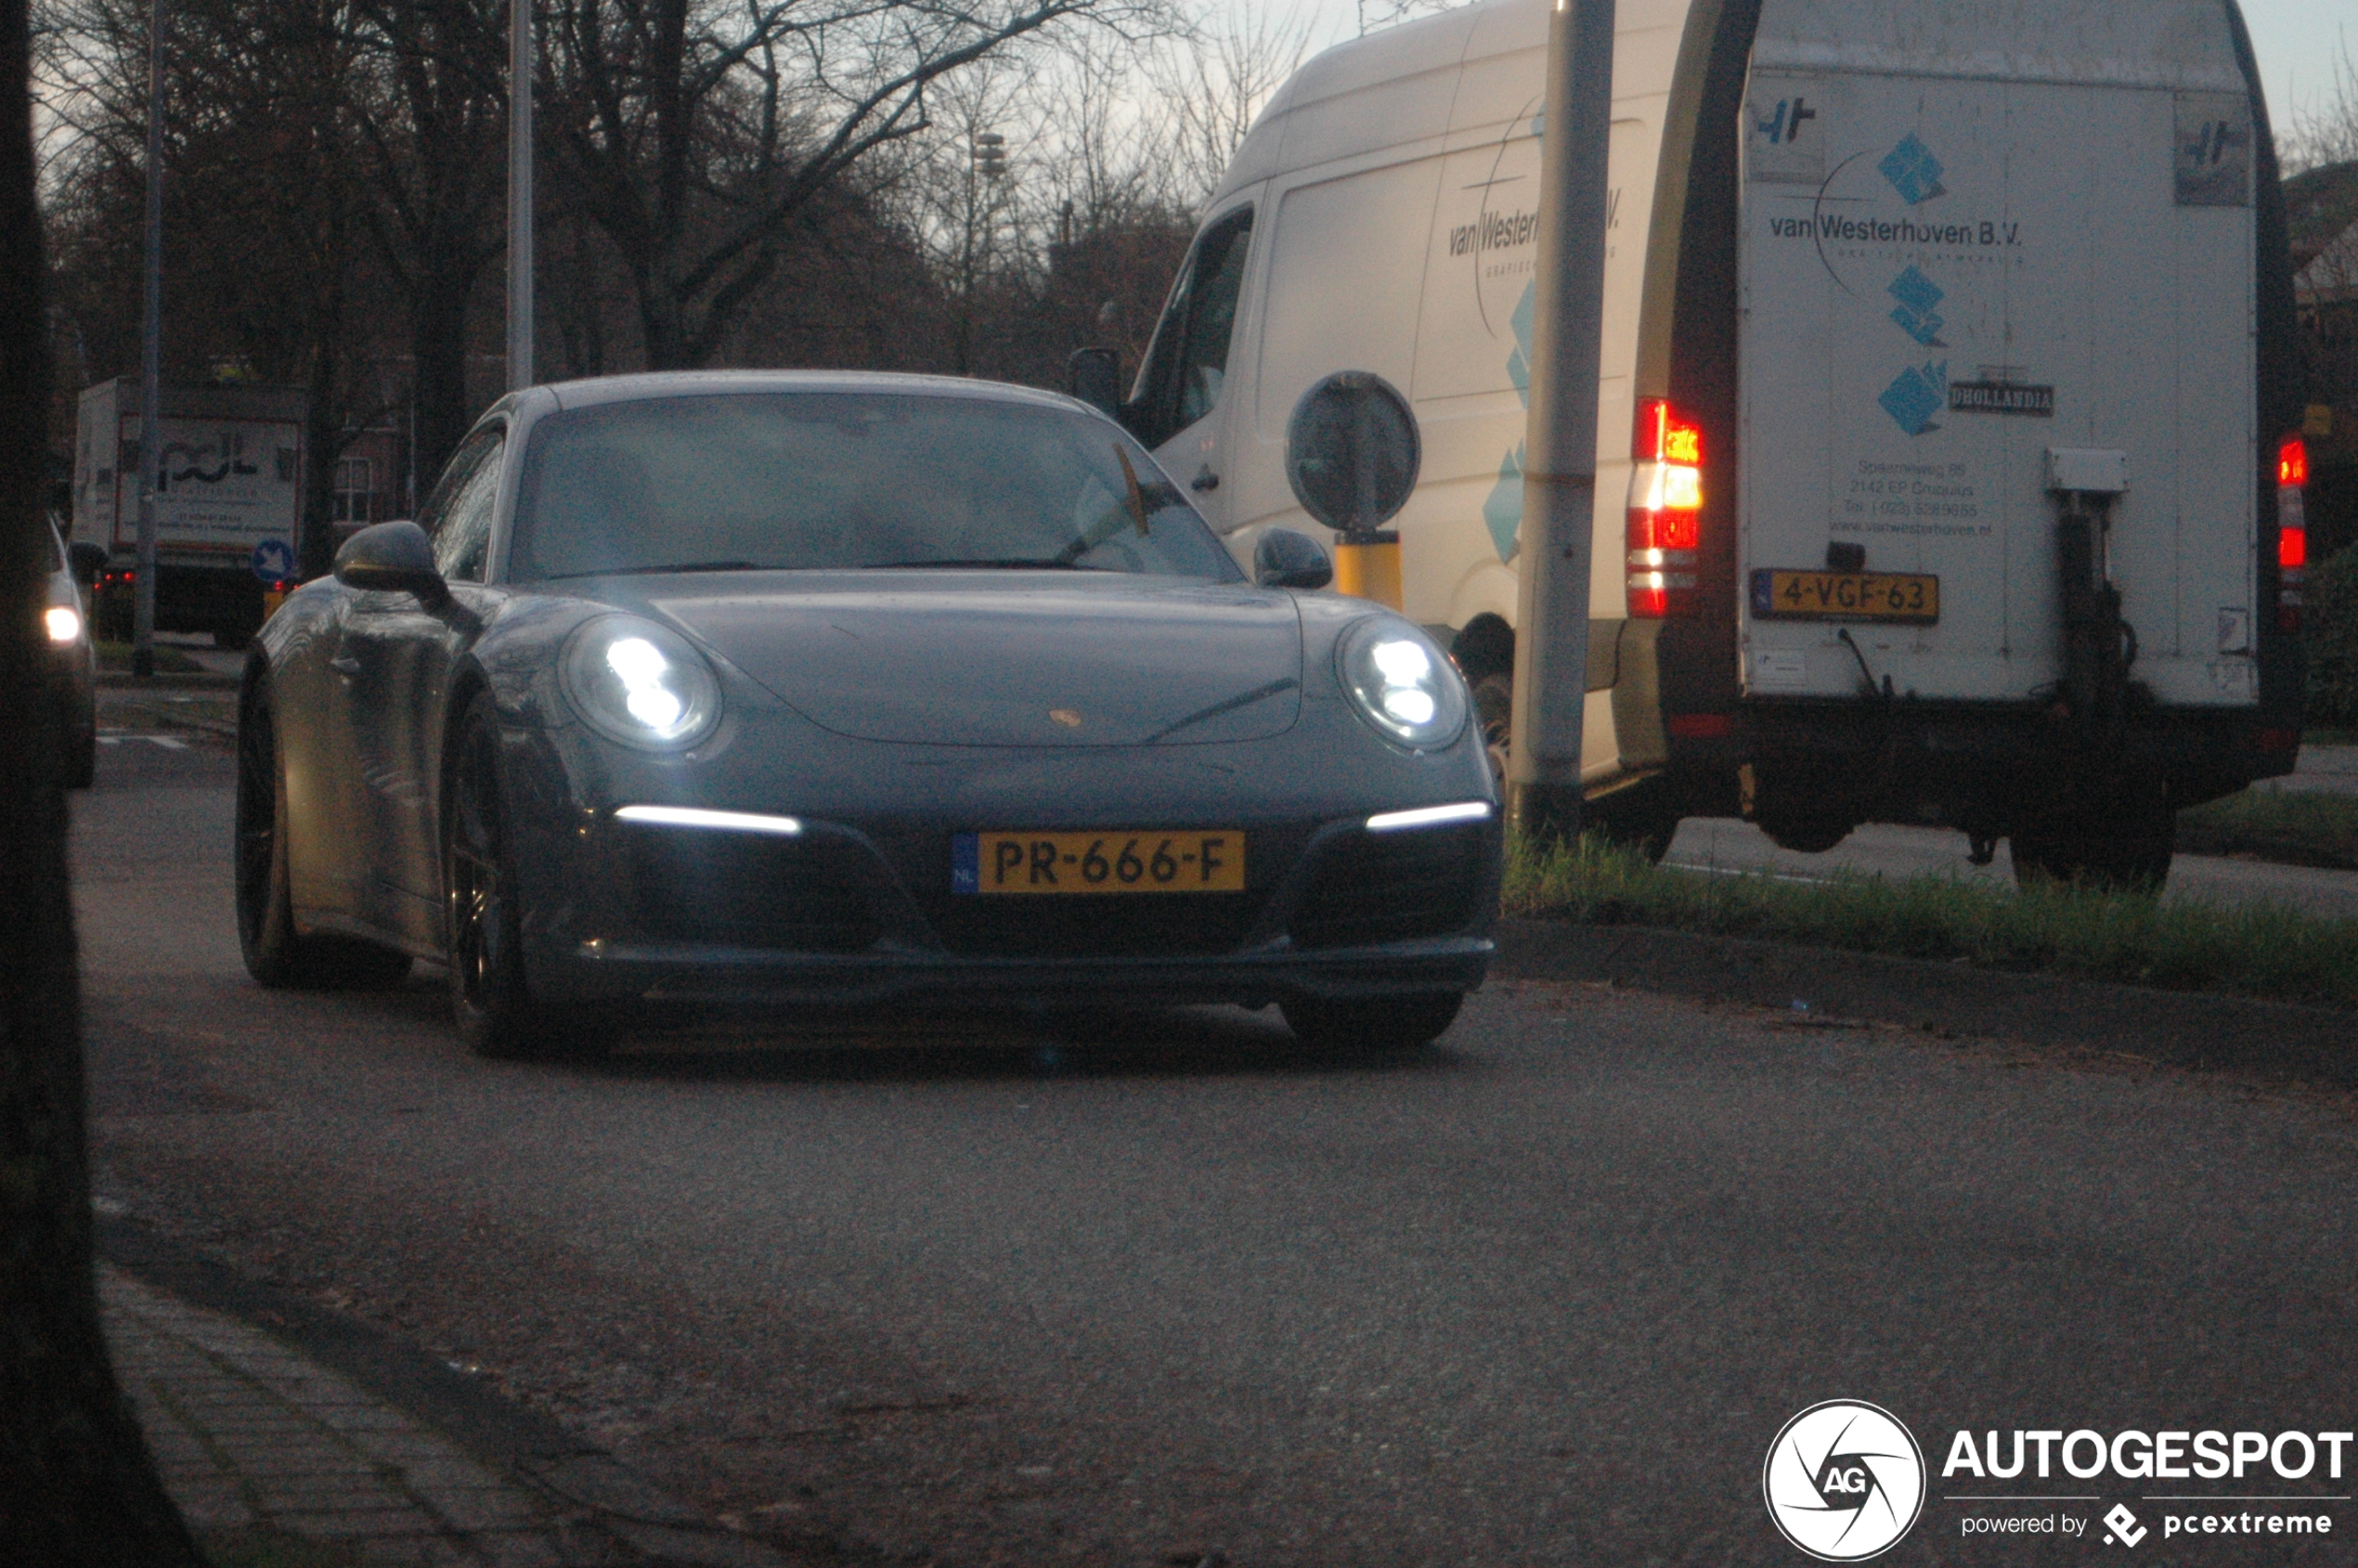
693, 131
430, 105
2318, 135
1213, 80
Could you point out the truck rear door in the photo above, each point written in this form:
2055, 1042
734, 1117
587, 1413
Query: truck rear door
1960, 251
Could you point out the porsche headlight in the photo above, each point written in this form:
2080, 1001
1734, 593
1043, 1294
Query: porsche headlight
638, 683
1401, 684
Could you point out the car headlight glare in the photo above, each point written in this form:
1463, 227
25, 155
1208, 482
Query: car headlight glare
1401, 685
636, 683
64, 624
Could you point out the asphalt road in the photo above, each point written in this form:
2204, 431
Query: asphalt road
1162, 1288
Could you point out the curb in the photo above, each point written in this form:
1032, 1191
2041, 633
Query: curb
2194, 1029
652, 1527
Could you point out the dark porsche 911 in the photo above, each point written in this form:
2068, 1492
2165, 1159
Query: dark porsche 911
773, 688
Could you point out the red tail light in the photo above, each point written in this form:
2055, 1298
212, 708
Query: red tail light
1666, 508
2292, 461
2292, 530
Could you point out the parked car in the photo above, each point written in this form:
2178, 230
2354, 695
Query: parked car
73, 663
780, 688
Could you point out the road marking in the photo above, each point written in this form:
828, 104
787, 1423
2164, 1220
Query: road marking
165, 741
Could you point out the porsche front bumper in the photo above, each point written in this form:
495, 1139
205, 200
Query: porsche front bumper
841, 913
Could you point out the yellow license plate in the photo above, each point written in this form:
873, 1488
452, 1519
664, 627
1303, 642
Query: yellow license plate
1845, 596
1196, 861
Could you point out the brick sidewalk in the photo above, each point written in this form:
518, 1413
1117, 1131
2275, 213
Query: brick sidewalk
249, 1434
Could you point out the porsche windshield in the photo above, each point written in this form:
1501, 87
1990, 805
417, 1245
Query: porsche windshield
833, 481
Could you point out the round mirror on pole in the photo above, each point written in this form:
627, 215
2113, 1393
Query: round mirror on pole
1352, 456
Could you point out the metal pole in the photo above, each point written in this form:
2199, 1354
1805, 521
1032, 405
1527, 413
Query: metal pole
143, 594
1560, 445
519, 63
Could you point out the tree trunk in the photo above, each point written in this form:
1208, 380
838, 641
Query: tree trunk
438, 339
76, 1487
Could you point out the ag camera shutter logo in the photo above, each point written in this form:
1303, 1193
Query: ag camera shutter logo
1844, 1481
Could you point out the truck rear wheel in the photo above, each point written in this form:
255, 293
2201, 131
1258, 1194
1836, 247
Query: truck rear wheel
2130, 854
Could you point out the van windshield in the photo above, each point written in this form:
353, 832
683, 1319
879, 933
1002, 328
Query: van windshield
834, 481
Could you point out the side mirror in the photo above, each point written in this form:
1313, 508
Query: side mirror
88, 560
1096, 376
1284, 558
391, 558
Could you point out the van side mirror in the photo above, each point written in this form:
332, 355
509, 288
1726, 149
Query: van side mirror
87, 560
1284, 558
391, 558
1095, 375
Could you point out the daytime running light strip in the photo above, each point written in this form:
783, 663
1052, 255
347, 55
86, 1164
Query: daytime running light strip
696, 816
1429, 816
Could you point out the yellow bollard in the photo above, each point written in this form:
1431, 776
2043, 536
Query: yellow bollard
272, 597
1368, 566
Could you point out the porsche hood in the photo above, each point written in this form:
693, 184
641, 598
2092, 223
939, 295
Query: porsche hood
1000, 659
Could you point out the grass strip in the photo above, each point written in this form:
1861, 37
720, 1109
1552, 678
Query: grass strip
2264, 949
2293, 828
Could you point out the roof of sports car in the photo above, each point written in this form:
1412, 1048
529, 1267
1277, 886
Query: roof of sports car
698, 384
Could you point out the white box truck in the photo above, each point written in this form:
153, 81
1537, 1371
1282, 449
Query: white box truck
229, 505
1947, 463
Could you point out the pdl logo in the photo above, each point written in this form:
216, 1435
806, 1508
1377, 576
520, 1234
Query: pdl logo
2126, 1531
1783, 126
1844, 1481
1912, 171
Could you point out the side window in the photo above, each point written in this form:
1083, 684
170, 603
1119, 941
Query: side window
1189, 362
458, 516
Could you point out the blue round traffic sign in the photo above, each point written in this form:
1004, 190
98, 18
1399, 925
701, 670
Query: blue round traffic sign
274, 561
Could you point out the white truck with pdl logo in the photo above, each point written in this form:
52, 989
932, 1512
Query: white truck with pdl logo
228, 502
1948, 456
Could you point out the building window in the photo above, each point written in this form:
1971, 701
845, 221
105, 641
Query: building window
355, 483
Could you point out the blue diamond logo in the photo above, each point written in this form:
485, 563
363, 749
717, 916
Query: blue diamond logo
1912, 171
1917, 295
1503, 511
1915, 396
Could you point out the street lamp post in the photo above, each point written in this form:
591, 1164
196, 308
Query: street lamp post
143, 594
519, 63
1559, 442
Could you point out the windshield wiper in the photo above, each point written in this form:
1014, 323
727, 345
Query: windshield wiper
674, 566
995, 563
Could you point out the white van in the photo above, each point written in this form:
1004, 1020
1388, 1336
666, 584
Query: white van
1948, 368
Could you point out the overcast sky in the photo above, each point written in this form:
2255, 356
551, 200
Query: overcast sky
2299, 44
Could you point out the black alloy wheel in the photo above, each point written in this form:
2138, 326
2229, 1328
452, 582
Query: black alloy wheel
494, 1007
275, 955
1376, 1026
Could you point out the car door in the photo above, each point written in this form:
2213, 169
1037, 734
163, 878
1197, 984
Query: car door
1177, 408
392, 665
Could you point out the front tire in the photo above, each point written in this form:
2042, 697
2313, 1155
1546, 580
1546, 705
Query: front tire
274, 954
496, 1012
1377, 1026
